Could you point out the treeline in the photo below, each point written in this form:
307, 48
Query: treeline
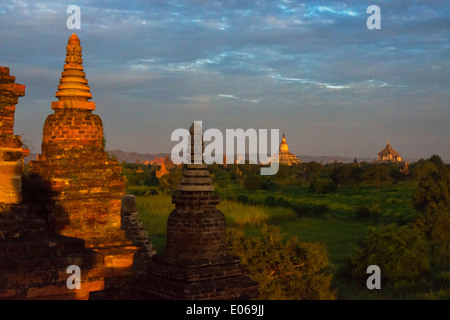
327, 178
320, 178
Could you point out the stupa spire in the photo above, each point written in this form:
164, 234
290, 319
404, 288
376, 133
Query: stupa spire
73, 83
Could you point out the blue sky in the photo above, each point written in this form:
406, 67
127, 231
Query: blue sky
309, 68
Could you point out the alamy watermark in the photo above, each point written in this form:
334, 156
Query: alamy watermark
74, 280
213, 152
74, 20
374, 281
374, 21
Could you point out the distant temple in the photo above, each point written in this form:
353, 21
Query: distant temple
285, 156
388, 154
162, 171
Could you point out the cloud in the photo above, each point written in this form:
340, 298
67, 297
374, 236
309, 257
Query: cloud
290, 60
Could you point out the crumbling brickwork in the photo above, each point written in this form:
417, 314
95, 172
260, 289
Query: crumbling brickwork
11, 151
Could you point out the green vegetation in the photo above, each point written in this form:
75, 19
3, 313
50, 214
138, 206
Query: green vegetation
349, 216
399, 251
289, 269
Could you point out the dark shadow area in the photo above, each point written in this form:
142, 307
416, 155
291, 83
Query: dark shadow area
34, 257
38, 196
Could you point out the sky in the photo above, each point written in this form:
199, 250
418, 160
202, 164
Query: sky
311, 69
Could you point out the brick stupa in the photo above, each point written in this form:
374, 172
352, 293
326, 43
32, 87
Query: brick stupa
74, 170
33, 263
195, 265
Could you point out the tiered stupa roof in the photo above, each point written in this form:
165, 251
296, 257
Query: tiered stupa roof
73, 83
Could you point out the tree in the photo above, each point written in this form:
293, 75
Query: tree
311, 169
434, 225
284, 269
399, 251
432, 197
377, 174
433, 192
347, 175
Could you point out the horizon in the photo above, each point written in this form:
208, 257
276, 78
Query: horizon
312, 70
340, 158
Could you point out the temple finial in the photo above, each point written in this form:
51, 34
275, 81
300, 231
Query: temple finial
74, 40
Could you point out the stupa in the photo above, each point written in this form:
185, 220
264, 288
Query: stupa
195, 265
84, 184
285, 156
33, 263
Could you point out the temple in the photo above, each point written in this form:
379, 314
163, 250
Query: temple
388, 154
285, 156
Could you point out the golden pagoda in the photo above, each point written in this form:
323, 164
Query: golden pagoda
285, 156
388, 154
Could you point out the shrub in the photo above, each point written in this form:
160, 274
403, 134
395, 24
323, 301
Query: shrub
323, 185
282, 202
270, 201
253, 182
151, 192
320, 209
301, 209
364, 213
242, 199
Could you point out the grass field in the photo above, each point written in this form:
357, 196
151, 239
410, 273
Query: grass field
154, 211
391, 202
339, 236
337, 226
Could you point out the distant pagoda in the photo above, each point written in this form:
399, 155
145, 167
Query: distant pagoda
388, 154
285, 156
